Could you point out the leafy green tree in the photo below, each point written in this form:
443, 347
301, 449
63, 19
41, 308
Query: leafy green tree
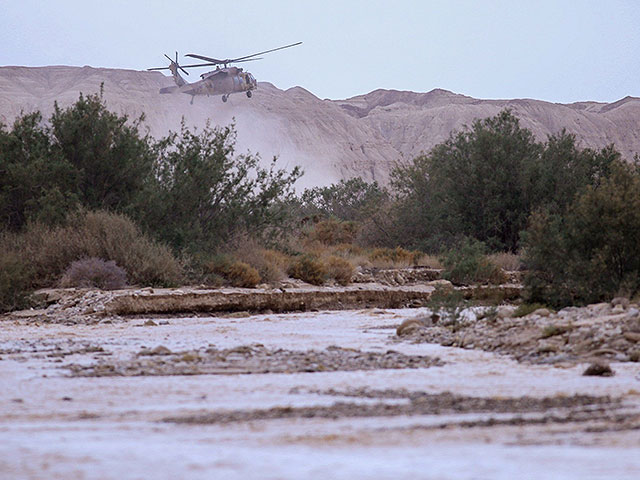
485, 181
87, 156
562, 170
203, 193
349, 200
471, 185
590, 252
35, 183
111, 159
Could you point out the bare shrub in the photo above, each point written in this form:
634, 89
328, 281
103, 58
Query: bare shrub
340, 269
509, 262
94, 272
308, 269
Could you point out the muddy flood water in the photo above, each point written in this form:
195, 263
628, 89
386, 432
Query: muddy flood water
299, 395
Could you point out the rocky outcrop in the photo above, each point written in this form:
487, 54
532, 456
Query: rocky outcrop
331, 139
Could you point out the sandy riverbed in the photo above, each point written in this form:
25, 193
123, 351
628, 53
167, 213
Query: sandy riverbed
385, 417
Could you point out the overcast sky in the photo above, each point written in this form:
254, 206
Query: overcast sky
559, 51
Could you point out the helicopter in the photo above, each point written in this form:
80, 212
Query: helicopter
221, 81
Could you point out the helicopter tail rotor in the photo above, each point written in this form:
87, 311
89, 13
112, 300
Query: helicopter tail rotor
173, 65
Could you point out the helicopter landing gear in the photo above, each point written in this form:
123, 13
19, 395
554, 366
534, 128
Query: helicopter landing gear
225, 98
249, 94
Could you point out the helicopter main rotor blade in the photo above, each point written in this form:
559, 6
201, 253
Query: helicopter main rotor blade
184, 66
234, 60
247, 60
214, 61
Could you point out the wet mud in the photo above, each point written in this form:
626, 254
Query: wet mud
250, 359
557, 409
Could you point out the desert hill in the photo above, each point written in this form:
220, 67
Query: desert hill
331, 139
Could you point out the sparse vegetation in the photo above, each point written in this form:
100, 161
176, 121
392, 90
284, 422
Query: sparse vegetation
449, 304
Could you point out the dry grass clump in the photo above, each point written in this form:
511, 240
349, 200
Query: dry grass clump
308, 269
94, 272
340, 269
394, 257
270, 264
430, 261
333, 232
241, 274
509, 262
224, 269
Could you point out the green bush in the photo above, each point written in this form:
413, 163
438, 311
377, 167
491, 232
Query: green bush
86, 156
202, 194
308, 269
15, 281
468, 263
591, 252
352, 200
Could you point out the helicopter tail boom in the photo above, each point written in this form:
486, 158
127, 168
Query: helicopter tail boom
173, 89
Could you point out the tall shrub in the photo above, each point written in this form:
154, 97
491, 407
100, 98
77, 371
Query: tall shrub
591, 252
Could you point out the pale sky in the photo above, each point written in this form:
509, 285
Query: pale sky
559, 51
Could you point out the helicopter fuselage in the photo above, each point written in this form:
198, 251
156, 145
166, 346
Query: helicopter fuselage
221, 81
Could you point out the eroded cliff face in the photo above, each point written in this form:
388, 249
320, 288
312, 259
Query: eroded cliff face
331, 139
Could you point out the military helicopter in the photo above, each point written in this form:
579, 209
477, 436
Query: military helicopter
221, 81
